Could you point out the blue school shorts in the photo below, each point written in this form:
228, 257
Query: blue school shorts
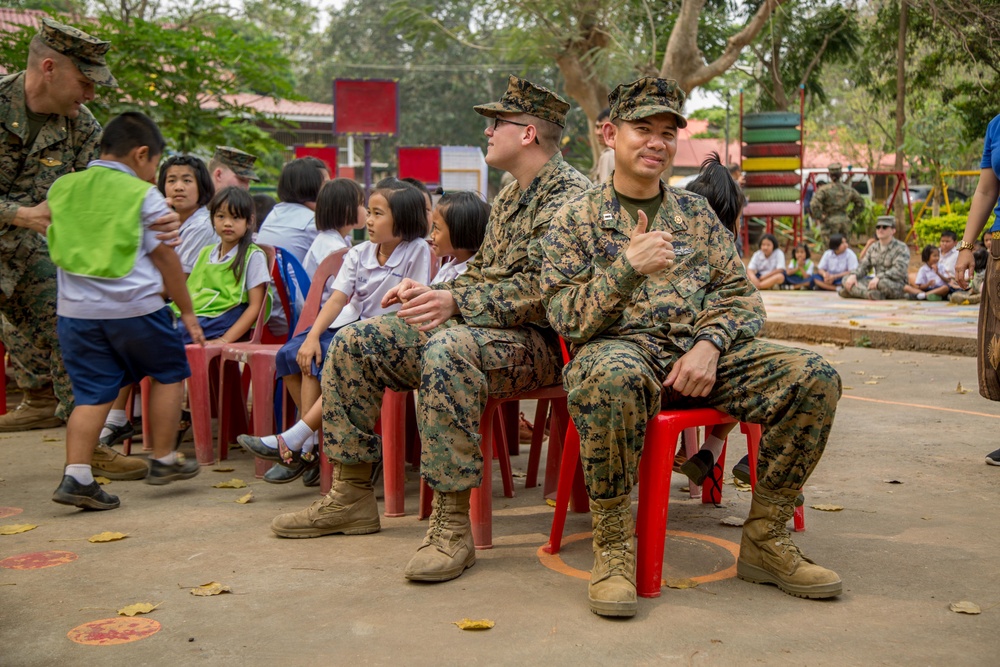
102, 356
214, 327
285, 363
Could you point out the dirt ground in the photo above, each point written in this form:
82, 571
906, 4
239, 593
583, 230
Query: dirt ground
905, 461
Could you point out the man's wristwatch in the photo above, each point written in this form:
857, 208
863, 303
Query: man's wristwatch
965, 245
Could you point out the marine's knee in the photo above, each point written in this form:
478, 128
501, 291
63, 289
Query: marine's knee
821, 380
448, 347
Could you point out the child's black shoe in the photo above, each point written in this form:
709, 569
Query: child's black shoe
85, 496
162, 473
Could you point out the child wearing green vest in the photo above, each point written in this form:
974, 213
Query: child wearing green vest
229, 280
113, 325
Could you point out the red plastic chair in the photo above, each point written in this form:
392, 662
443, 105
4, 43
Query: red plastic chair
147, 443
260, 360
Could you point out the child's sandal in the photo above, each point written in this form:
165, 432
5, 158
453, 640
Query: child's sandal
308, 457
287, 456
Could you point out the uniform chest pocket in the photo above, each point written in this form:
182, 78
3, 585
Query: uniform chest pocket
690, 282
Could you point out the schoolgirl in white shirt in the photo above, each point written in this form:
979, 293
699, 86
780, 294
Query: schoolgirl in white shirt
458, 225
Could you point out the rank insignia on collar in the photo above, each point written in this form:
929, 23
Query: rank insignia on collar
50, 162
680, 251
608, 216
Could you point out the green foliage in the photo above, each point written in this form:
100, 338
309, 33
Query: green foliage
929, 228
864, 225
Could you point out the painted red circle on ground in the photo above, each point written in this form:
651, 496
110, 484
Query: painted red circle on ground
38, 559
9, 511
109, 631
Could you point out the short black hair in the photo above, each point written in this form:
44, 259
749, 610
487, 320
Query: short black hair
949, 234
724, 195
262, 203
337, 204
418, 184
408, 210
604, 115
391, 183
301, 179
130, 130
804, 247
240, 205
466, 215
769, 237
835, 241
929, 249
202, 177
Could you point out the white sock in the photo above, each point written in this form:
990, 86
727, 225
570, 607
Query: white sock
714, 445
922, 296
294, 437
115, 418
311, 441
81, 472
169, 459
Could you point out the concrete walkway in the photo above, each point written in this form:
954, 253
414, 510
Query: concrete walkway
916, 533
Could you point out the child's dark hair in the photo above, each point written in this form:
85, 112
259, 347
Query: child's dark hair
925, 254
466, 215
408, 209
804, 247
130, 130
391, 183
419, 185
337, 204
981, 257
262, 205
835, 241
767, 237
202, 177
949, 234
301, 180
240, 205
716, 184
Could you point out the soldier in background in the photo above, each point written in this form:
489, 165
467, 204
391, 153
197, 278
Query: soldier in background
883, 269
231, 166
837, 205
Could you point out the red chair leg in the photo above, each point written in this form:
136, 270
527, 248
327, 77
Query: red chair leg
394, 440
711, 493
543, 412
502, 455
753, 434
482, 497
200, 402
654, 484
567, 471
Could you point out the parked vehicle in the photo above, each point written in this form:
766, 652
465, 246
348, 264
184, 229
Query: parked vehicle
917, 194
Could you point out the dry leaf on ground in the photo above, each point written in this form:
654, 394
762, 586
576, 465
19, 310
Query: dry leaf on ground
740, 485
211, 588
234, 483
846, 387
137, 608
470, 624
102, 480
732, 521
965, 607
827, 508
223, 469
15, 528
872, 382
892, 481
853, 323
243, 500
680, 583
960, 389
858, 372
51, 439
107, 536
550, 502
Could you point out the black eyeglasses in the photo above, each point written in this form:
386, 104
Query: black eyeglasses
883, 226
497, 120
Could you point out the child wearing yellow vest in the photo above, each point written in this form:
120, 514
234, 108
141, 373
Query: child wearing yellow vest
229, 280
113, 325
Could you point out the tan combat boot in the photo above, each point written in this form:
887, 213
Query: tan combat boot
349, 508
448, 548
37, 410
108, 462
768, 555
612, 581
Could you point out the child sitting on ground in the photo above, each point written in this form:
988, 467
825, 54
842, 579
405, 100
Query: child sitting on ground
930, 284
228, 283
767, 266
458, 228
397, 223
835, 264
113, 325
974, 294
800, 270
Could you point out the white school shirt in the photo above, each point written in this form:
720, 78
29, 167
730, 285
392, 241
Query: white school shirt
365, 282
196, 233
947, 263
324, 245
761, 264
833, 263
133, 295
927, 275
256, 270
450, 270
289, 226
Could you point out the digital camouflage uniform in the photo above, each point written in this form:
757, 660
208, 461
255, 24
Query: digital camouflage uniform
830, 207
890, 264
500, 345
27, 275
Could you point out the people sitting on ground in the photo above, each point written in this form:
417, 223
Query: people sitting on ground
292, 222
395, 250
835, 264
459, 224
947, 246
930, 282
882, 271
800, 272
228, 284
767, 266
114, 327
973, 294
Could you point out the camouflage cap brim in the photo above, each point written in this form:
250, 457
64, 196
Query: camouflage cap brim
645, 111
494, 109
100, 74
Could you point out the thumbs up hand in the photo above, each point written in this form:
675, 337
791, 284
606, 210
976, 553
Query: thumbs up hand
649, 252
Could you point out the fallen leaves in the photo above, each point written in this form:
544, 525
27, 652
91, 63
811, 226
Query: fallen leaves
853, 323
211, 588
223, 469
234, 483
138, 608
871, 382
965, 607
470, 624
827, 508
680, 584
107, 536
858, 372
243, 500
550, 502
15, 528
960, 389
102, 480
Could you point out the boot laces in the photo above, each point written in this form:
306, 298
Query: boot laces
615, 552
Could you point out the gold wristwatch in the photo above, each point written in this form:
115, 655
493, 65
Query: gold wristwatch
965, 245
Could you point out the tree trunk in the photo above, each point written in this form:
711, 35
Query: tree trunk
901, 218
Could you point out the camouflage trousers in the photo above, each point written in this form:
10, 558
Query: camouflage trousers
455, 369
615, 388
887, 289
29, 332
836, 224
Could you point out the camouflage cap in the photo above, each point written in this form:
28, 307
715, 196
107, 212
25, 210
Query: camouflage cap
646, 97
239, 162
835, 167
522, 96
86, 52
885, 220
